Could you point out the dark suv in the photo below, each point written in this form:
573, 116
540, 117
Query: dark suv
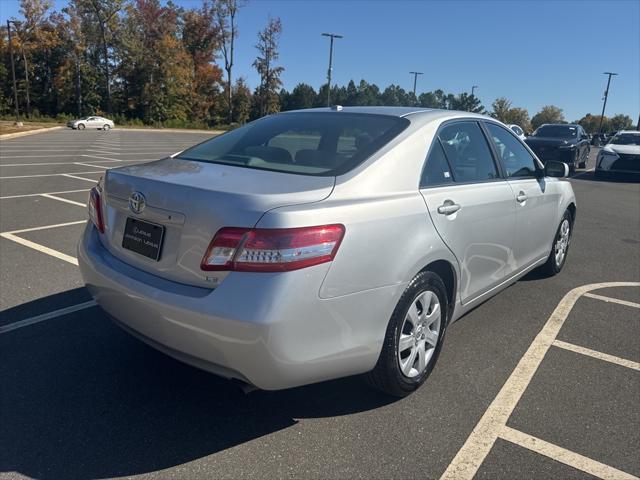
561, 142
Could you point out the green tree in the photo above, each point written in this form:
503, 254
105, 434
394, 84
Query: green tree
302, 96
501, 107
394, 95
268, 54
225, 25
503, 111
241, 101
435, 99
620, 122
548, 114
466, 103
591, 123
104, 17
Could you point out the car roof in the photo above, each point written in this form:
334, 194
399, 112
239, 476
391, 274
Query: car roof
419, 114
559, 125
632, 132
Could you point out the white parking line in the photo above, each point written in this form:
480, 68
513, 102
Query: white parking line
55, 163
573, 459
48, 175
45, 193
612, 300
44, 227
60, 199
40, 248
477, 446
595, 354
81, 178
46, 316
102, 158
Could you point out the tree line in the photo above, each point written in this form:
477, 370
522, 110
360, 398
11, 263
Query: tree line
142, 62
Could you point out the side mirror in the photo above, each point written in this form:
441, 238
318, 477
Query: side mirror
556, 169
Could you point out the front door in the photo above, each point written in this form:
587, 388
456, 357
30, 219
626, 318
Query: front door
471, 206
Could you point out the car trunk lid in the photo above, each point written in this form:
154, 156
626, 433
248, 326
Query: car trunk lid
190, 201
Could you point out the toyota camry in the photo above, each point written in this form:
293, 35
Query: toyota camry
317, 244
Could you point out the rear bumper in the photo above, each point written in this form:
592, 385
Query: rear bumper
270, 330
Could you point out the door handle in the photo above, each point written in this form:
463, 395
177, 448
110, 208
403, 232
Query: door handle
448, 207
521, 198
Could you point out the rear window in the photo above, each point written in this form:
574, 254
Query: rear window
323, 144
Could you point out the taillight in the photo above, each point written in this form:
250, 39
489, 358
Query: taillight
95, 209
272, 250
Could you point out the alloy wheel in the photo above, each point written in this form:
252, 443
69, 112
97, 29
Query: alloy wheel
562, 242
419, 334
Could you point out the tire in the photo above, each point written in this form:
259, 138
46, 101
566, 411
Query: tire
583, 163
396, 373
81, 126
105, 127
561, 241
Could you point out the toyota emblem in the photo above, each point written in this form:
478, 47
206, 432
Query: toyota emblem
137, 202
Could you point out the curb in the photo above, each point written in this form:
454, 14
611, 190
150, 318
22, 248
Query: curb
7, 136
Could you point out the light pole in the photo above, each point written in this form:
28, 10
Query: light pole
415, 80
13, 73
606, 94
473, 89
331, 36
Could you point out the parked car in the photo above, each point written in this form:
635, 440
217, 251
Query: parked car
620, 156
561, 142
517, 129
91, 122
317, 244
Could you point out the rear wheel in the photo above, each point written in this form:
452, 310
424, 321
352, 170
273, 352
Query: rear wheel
583, 163
81, 126
560, 248
413, 338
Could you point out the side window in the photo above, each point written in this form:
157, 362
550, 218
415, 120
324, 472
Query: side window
436, 171
467, 151
515, 158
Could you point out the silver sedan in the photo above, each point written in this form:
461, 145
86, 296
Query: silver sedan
317, 244
94, 122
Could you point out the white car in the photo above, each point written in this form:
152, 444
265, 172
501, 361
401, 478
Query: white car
620, 155
100, 123
517, 129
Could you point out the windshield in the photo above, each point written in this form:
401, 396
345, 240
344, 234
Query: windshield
556, 131
306, 143
626, 139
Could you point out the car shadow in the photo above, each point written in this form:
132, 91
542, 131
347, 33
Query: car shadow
80, 398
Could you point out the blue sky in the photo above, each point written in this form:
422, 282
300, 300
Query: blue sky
534, 53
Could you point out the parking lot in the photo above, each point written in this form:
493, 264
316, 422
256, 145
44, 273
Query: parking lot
541, 381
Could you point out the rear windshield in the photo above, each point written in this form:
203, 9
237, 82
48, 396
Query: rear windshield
323, 144
626, 139
556, 131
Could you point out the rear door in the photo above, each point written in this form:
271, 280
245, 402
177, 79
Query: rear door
535, 202
471, 206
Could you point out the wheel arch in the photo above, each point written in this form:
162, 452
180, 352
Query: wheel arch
446, 271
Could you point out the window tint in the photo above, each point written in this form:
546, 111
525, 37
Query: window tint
436, 170
467, 151
306, 143
515, 158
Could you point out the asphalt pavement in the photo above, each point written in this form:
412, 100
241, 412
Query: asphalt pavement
541, 381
